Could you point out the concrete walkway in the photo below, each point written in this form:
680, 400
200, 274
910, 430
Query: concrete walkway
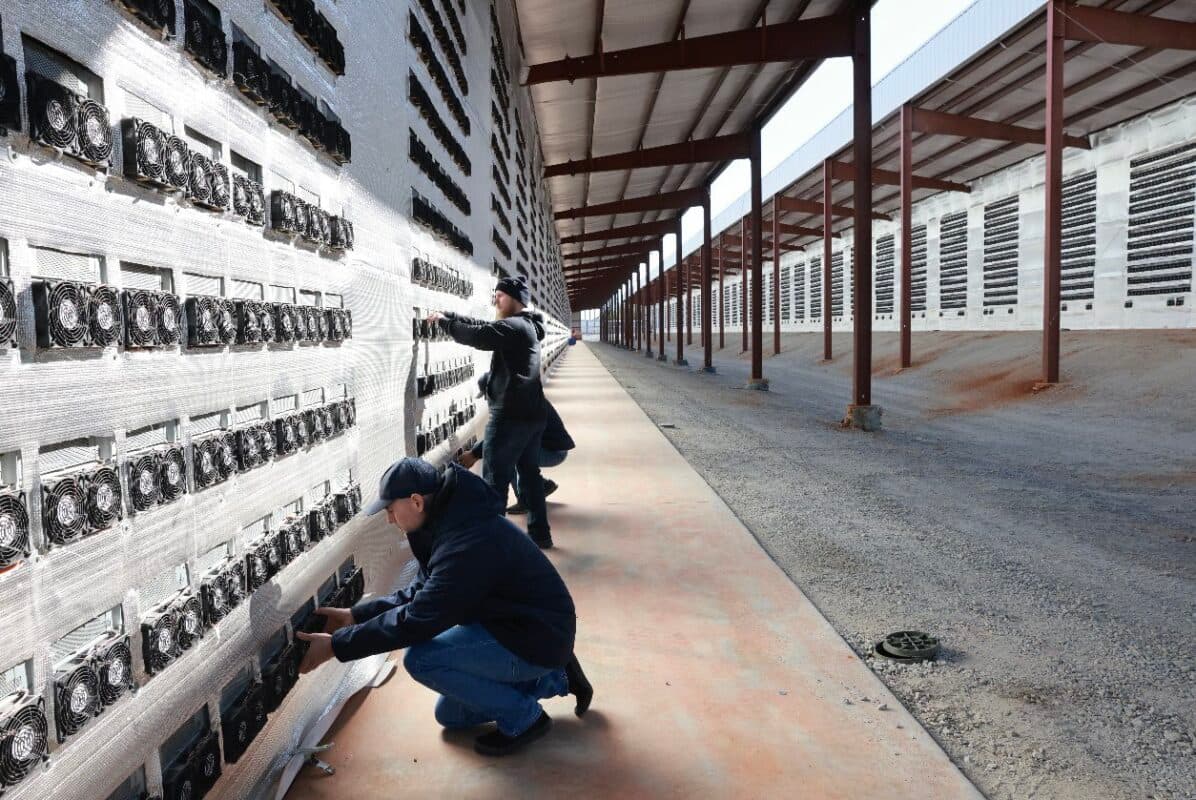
714, 676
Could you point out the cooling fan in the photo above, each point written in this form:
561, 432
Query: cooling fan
311, 323
10, 95
8, 314
353, 585
112, 659
249, 200
103, 314
64, 509
283, 211
311, 123
188, 611
342, 233
249, 321
317, 524
286, 322
169, 319
281, 546
286, 436
244, 723
302, 218
266, 441
60, 313
302, 431
24, 736
315, 425
172, 474
203, 767
213, 591
158, 14
249, 448
221, 196
95, 133
159, 638
76, 697
53, 112
278, 678
281, 98
141, 318
249, 73
205, 458
338, 143
14, 528
104, 507
178, 164
328, 420
234, 582
295, 534
204, 39
322, 327
199, 180
343, 504
329, 512
144, 148
271, 550
226, 455
141, 476
204, 321
257, 568
336, 325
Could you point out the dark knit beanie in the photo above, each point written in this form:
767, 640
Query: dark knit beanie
516, 287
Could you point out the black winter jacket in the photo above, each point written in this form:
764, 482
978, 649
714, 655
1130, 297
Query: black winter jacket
555, 436
514, 390
475, 567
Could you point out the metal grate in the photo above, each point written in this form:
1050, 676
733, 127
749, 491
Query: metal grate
885, 256
1001, 226
205, 423
137, 106
283, 405
154, 279
247, 290
787, 293
1078, 264
60, 265
196, 284
1162, 202
768, 297
816, 287
837, 285
18, 678
164, 586
87, 633
953, 260
151, 436
917, 268
799, 291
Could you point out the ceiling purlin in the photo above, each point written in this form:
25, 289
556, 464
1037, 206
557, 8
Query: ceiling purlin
593, 105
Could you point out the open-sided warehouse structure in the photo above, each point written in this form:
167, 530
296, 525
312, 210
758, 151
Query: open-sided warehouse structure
221, 226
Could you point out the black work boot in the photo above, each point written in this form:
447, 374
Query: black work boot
579, 687
497, 743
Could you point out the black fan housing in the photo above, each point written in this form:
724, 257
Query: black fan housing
221, 193
14, 527
8, 314
204, 39
60, 311
141, 318
112, 659
199, 180
24, 736
53, 113
10, 95
141, 476
104, 506
249, 73
76, 697
244, 723
95, 133
159, 638
64, 509
104, 318
188, 611
283, 212
144, 148
213, 591
249, 200
178, 164
172, 474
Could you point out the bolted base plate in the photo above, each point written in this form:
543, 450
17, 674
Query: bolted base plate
680, 362
759, 384
709, 370
663, 358
865, 418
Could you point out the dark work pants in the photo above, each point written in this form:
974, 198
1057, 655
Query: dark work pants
512, 446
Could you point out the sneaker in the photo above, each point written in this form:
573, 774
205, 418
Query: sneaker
497, 743
549, 486
518, 508
543, 542
579, 687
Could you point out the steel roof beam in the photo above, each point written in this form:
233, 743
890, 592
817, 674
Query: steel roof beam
799, 206
802, 40
845, 171
659, 228
685, 198
720, 148
634, 248
926, 121
1103, 26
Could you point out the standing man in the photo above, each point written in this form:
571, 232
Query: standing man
487, 621
515, 395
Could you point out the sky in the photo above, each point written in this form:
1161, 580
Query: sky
903, 26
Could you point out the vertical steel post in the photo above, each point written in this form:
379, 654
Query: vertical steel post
744, 265
637, 307
661, 296
1052, 233
907, 187
722, 305
827, 220
862, 251
757, 379
776, 274
648, 328
707, 318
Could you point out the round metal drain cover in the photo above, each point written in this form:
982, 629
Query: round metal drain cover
910, 645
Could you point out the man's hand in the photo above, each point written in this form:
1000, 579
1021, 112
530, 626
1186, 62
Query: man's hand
337, 618
468, 459
318, 651
435, 317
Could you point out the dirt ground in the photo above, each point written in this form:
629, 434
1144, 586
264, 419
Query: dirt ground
1046, 536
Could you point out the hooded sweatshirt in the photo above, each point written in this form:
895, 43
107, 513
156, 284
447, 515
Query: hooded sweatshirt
475, 567
514, 390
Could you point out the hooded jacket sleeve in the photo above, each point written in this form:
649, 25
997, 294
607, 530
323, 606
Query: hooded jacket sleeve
478, 334
457, 582
368, 609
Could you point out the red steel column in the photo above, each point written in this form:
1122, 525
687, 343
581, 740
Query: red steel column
757, 378
648, 327
661, 296
776, 274
680, 359
722, 305
827, 351
907, 181
1052, 233
743, 286
707, 333
862, 251
639, 307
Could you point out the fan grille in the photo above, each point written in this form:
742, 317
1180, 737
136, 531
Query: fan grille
76, 700
159, 641
172, 477
67, 314
23, 739
63, 509
8, 313
143, 482
95, 135
103, 498
104, 315
14, 528
140, 313
115, 670
177, 163
53, 112
190, 622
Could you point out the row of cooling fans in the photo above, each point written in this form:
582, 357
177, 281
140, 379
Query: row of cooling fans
424, 331
165, 162
83, 503
433, 276
445, 377
69, 314
429, 435
313, 28
88, 683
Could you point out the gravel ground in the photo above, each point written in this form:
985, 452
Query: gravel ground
1047, 537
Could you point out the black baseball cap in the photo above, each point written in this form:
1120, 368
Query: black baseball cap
403, 479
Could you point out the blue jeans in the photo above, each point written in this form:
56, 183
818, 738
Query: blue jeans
513, 446
481, 681
548, 458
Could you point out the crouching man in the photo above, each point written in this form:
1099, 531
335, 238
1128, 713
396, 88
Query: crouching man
487, 622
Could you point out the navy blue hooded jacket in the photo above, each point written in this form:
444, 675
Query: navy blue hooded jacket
514, 390
475, 567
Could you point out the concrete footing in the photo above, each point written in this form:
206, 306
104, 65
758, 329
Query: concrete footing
759, 384
663, 358
680, 362
866, 418
709, 370
649, 354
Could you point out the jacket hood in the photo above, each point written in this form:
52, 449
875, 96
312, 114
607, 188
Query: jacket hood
462, 501
537, 320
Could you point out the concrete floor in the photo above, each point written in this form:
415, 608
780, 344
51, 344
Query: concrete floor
714, 676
